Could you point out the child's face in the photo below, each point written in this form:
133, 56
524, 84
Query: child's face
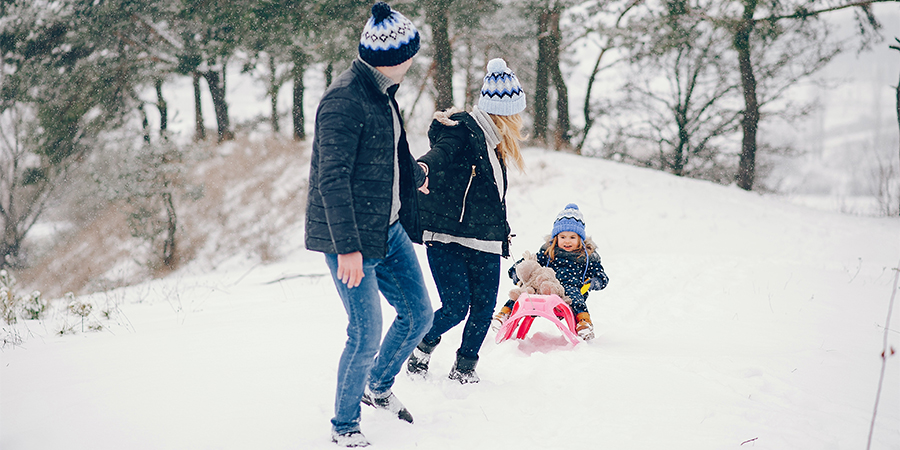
568, 241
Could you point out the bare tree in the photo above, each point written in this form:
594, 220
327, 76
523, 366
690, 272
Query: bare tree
773, 45
752, 36
59, 91
607, 38
681, 97
25, 188
149, 178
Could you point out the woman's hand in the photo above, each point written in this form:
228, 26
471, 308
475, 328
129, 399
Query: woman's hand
424, 187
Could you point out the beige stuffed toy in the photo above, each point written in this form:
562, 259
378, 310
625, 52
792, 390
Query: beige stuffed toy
536, 279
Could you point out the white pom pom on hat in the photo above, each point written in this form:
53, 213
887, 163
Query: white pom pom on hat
497, 65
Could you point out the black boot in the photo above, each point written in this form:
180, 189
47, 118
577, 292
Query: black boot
464, 370
418, 361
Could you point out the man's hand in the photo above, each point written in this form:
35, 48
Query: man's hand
350, 269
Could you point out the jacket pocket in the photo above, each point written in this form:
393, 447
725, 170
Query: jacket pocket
466, 195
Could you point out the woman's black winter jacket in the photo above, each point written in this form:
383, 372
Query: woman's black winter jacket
464, 199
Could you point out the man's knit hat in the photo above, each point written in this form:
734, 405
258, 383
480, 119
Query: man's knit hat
569, 219
501, 93
389, 38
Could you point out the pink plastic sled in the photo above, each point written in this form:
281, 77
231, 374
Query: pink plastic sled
529, 306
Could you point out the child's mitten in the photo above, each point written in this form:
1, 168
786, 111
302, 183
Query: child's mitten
599, 283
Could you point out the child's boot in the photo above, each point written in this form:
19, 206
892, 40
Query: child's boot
418, 361
464, 370
500, 318
583, 326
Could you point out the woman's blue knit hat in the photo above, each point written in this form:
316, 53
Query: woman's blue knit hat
569, 219
501, 93
389, 38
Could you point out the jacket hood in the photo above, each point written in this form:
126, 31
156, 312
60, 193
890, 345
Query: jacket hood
444, 116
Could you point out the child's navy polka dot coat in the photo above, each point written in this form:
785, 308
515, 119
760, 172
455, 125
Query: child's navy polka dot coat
573, 271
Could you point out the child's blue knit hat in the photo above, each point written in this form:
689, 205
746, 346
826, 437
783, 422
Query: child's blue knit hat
389, 38
501, 93
569, 219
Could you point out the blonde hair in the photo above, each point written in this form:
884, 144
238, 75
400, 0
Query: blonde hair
511, 131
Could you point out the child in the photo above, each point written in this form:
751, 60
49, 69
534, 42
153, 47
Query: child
577, 265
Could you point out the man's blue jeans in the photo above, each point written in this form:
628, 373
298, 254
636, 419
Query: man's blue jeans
467, 281
399, 278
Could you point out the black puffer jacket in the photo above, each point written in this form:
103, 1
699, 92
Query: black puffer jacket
464, 199
352, 170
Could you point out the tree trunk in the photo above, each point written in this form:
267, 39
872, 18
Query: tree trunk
542, 78
473, 79
679, 160
172, 226
438, 19
273, 94
163, 108
588, 118
217, 91
747, 167
300, 61
562, 137
199, 129
9, 248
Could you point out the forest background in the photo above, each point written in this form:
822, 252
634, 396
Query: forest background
727, 91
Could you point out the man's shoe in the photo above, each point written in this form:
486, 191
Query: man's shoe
349, 439
388, 402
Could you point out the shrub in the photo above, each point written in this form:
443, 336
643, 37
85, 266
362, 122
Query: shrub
12, 304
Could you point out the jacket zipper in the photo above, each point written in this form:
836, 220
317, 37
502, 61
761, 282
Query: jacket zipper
466, 195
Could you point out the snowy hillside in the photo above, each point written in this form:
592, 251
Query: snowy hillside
732, 320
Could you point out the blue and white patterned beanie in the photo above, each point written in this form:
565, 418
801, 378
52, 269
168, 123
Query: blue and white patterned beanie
389, 38
501, 93
569, 219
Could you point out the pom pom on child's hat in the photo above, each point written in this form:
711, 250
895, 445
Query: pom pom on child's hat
501, 93
389, 38
569, 219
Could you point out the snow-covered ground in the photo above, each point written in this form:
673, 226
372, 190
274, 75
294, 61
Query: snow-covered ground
732, 320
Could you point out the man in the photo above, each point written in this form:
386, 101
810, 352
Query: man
362, 211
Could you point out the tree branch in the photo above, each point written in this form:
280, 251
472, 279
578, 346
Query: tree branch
803, 13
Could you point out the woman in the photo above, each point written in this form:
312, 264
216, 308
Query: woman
464, 215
